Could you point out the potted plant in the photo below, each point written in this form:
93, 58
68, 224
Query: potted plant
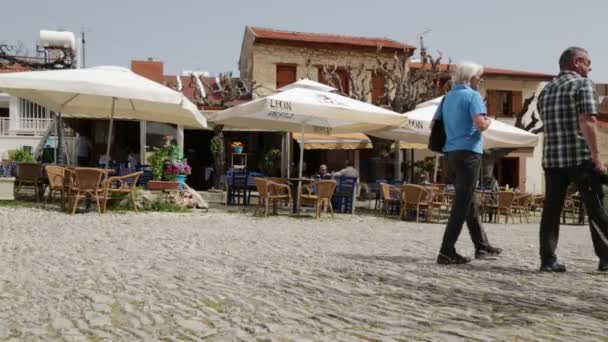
164, 177
177, 171
184, 171
237, 146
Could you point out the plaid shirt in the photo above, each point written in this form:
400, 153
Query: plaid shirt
560, 104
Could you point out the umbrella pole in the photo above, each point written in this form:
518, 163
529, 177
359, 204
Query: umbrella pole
59, 148
300, 167
110, 133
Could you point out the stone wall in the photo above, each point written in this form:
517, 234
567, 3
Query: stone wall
266, 57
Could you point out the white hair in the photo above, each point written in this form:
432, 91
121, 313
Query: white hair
465, 71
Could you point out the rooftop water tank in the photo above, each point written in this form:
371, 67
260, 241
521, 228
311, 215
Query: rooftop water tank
57, 39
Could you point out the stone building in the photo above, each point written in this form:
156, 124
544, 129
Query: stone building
274, 58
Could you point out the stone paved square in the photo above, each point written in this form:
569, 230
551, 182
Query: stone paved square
226, 276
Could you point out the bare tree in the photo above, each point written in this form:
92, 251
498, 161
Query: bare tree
222, 93
404, 86
356, 78
529, 107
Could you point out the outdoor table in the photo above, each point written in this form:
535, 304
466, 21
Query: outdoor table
487, 198
581, 208
296, 182
106, 172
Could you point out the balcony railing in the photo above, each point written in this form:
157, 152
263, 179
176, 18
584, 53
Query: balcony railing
34, 127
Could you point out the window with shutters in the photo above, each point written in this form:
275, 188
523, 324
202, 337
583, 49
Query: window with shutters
504, 103
378, 89
286, 74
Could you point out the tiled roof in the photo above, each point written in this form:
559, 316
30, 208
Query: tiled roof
508, 72
490, 71
288, 36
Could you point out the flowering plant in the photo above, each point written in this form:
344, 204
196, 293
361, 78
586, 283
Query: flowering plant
175, 168
237, 144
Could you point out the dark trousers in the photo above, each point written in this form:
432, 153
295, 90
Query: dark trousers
83, 161
463, 167
587, 180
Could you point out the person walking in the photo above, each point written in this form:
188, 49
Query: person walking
568, 109
464, 118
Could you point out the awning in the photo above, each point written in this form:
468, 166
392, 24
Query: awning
350, 141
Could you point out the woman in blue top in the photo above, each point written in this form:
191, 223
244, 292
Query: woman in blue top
464, 118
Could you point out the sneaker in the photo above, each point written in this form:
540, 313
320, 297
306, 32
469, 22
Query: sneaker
553, 267
454, 259
487, 252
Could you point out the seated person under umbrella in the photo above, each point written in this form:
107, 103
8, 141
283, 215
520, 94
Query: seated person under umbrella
323, 173
347, 171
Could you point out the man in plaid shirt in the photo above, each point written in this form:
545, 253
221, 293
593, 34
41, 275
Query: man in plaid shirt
568, 109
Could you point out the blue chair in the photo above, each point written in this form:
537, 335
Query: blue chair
344, 198
237, 188
251, 183
146, 176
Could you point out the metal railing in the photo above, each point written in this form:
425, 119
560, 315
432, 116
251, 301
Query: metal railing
34, 127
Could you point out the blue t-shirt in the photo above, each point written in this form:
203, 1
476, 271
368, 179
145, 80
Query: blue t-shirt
457, 111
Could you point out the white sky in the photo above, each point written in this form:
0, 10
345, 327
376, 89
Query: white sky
516, 34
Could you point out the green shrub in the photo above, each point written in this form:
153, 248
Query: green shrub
270, 163
157, 162
22, 155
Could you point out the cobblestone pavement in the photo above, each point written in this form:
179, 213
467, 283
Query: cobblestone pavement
224, 276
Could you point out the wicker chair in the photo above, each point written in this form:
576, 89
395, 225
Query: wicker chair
123, 185
271, 192
30, 176
503, 206
57, 183
390, 197
87, 182
324, 191
418, 197
522, 206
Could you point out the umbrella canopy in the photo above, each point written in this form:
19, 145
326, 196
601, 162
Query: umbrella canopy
308, 84
310, 111
93, 92
418, 128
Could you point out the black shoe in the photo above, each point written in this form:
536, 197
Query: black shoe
553, 267
487, 252
603, 266
453, 259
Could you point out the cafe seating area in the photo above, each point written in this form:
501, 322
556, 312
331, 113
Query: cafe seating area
74, 186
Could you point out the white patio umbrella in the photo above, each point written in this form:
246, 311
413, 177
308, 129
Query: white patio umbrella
105, 92
308, 111
418, 128
308, 84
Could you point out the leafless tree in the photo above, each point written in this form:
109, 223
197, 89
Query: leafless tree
533, 125
222, 93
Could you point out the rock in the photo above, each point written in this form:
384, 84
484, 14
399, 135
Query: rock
96, 319
61, 323
192, 325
